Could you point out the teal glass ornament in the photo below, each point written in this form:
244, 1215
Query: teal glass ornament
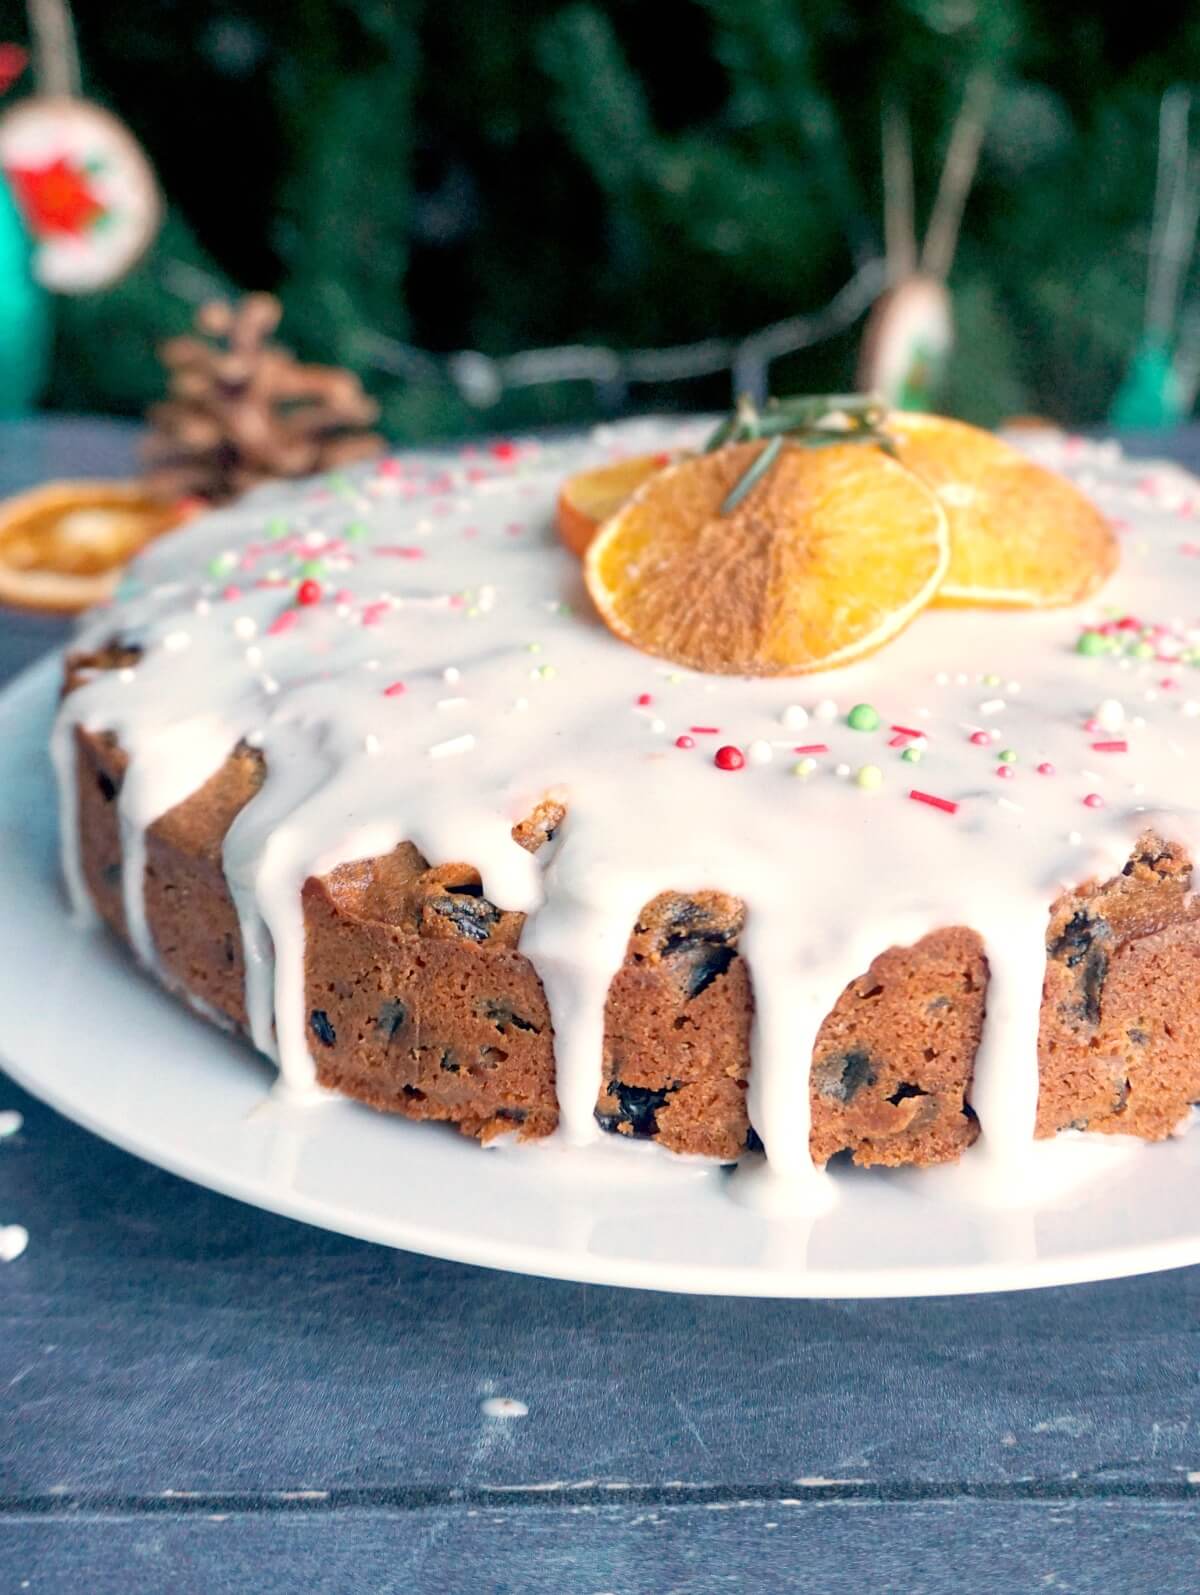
24, 314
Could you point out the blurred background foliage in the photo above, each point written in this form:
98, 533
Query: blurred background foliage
464, 174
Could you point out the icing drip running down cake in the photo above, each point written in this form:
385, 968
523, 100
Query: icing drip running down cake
355, 768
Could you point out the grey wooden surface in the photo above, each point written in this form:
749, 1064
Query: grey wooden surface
196, 1396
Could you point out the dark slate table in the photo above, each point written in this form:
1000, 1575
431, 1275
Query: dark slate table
199, 1397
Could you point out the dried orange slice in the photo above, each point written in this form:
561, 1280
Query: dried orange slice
829, 553
1019, 534
586, 500
62, 546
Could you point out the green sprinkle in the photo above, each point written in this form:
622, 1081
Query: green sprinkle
1007, 756
990, 681
911, 755
546, 672
804, 768
356, 531
1092, 643
863, 718
312, 567
869, 777
535, 647
1142, 650
277, 526
222, 563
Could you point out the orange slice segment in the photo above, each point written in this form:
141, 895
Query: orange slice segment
587, 500
62, 546
828, 555
1019, 534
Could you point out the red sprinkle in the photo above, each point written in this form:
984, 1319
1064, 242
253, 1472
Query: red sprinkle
504, 450
1045, 769
231, 593
946, 806
1093, 801
979, 739
907, 731
812, 747
1005, 772
705, 731
643, 700
282, 622
394, 691
308, 592
685, 742
897, 742
1120, 746
728, 758
397, 551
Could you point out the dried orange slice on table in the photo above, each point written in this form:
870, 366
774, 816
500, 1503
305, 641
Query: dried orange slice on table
1019, 534
587, 500
763, 559
62, 546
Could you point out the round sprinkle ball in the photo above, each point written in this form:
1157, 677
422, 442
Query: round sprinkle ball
1091, 643
869, 777
728, 758
804, 768
863, 718
308, 592
911, 755
1007, 756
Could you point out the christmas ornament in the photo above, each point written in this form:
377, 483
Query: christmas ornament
87, 192
1152, 393
910, 331
242, 410
62, 545
24, 324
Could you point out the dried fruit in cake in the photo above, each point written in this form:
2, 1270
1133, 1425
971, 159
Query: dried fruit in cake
755, 563
62, 546
1019, 534
587, 499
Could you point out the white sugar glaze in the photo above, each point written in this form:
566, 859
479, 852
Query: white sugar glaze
443, 573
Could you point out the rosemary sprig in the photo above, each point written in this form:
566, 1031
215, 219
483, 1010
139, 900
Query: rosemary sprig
759, 468
807, 421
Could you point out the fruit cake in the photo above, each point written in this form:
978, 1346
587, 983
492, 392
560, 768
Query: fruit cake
366, 770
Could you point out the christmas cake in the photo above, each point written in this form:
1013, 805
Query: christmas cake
356, 767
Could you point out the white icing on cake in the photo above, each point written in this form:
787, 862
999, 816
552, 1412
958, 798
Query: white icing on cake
452, 673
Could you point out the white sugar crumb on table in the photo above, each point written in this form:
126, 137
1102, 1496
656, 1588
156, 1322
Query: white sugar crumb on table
503, 1407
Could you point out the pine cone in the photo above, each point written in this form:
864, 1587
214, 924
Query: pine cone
242, 410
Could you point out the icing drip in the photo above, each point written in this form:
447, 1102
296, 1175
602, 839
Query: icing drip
450, 675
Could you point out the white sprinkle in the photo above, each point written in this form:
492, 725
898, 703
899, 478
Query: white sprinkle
201, 606
991, 706
446, 750
254, 656
452, 703
759, 752
14, 1238
1007, 803
1074, 837
503, 1407
1012, 687
795, 717
658, 726
371, 742
1111, 715
268, 684
1191, 708
176, 641
486, 599
10, 1123
1138, 722
942, 679
125, 675
370, 664
452, 673
961, 679
826, 710
520, 705
254, 739
842, 769
245, 627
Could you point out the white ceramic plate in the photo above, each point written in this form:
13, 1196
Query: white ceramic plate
80, 1028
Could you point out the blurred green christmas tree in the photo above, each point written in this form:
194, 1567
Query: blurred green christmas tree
463, 175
